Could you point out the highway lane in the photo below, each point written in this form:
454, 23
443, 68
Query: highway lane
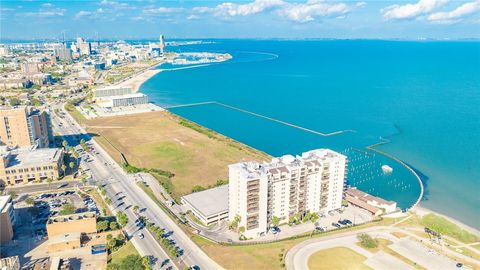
147, 246
105, 168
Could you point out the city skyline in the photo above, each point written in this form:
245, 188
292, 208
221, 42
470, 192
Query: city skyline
436, 19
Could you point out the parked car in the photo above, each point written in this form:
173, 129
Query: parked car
140, 235
336, 225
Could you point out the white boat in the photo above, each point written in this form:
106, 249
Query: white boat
386, 169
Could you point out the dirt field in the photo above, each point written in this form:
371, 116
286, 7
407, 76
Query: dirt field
196, 156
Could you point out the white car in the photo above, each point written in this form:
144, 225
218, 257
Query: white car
140, 235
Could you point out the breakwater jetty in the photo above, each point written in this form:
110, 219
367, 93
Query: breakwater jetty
264, 117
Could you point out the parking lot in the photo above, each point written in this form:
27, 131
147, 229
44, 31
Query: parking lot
330, 221
30, 230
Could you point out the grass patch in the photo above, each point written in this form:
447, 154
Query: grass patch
196, 155
445, 227
99, 200
264, 256
339, 258
150, 193
382, 245
127, 249
70, 108
467, 252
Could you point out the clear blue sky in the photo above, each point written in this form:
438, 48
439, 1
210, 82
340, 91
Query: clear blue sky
409, 19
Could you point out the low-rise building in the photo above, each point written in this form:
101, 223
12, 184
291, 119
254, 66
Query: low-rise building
369, 202
209, 206
19, 166
7, 218
112, 91
69, 224
62, 242
122, 101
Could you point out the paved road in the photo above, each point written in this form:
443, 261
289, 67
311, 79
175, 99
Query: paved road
118, 184
297, 257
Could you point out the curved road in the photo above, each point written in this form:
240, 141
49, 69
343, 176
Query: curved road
297, 257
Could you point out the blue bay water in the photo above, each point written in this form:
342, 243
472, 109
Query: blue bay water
423, 96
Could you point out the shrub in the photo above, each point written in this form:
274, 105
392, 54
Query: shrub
367, 241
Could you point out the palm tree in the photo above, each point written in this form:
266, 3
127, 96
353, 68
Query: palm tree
63, 169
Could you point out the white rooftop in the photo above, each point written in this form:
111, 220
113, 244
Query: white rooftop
209, 202
30, 158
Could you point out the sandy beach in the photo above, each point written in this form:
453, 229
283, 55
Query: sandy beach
139, 79
421, 211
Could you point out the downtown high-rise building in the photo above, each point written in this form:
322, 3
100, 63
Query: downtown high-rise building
161, 44
284, 188
84, 47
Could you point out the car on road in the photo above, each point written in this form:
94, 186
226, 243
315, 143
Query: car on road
274, 230
194, 267
140, 235
62, 185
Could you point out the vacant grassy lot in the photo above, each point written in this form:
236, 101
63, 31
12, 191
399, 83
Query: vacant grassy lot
127, 249
443, 226
339, 258
263, 256
197, 156
382, 245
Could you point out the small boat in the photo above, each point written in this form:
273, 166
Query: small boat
387, 169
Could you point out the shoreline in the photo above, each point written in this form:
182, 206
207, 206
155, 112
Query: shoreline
422, 211
137, 81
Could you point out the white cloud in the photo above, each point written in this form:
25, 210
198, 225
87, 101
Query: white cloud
410, 11
297, 12
460, 12
360, 4
308, 11
46, 11
229, 9
162, 10
47, 5
193, 17
89, 14
116, 5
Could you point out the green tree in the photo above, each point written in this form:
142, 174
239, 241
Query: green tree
65, 144
49, 181
113, 225
132, 262
109, 236
29, 201
122, 219
135, 208
367, 241
220, 182
63, 167
314, 217
71, 165
108, 201
67, 209
111, 243
275, 221
102, 225
241, 229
